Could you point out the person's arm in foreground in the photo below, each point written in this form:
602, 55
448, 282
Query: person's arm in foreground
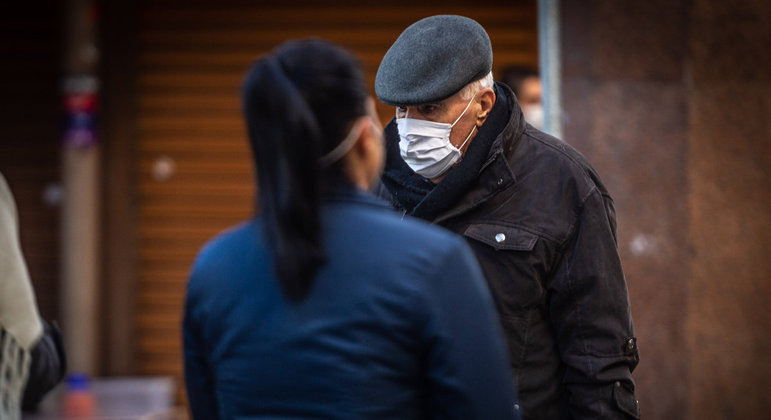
470, 375
22, 323
592, 318
48, 366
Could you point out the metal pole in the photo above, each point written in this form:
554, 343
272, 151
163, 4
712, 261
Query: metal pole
550, 67
80, 177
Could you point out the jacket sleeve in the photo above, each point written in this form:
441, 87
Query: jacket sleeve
469, 374
590, 311
47, 367
199, 377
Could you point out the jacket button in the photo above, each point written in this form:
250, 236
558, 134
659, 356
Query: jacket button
500, 237
630, 344
500, 181
516, 406
618, 384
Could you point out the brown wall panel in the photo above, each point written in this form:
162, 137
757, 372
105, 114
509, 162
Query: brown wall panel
730, 207
670, 101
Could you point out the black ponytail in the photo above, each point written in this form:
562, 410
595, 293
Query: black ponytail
299, 103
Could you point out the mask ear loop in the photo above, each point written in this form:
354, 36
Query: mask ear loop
472, 129
464, 111
468, 137
344, 146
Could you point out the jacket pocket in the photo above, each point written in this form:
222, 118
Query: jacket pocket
625, 400
513, 264
502, 237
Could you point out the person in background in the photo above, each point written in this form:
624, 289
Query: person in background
534, 211
328, 304
32, 359
526, 85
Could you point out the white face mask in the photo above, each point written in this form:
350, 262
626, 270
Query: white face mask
533, 115
425, 145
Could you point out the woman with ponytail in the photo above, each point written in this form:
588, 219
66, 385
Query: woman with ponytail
327, 304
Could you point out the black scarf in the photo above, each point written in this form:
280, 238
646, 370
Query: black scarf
421, 197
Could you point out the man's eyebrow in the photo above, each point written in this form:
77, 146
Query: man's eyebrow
438, 104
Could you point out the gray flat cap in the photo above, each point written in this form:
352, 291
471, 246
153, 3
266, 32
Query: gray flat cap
433, 59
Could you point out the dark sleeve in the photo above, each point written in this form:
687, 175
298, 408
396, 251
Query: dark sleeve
199, 378
47, 367
592, 317
469, 372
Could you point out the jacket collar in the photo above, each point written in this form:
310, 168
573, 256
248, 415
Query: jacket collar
509, 137
352, 195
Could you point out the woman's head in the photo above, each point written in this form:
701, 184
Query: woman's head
300, 103
304, 97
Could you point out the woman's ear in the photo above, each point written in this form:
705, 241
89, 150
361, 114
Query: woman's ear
486, 102
376, 143
372, 152
364, 162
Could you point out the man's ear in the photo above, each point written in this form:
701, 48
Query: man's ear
486, 102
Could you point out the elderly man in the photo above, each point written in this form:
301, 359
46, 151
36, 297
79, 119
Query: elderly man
542, 225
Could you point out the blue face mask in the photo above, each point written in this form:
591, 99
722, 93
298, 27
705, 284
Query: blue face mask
425, 145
